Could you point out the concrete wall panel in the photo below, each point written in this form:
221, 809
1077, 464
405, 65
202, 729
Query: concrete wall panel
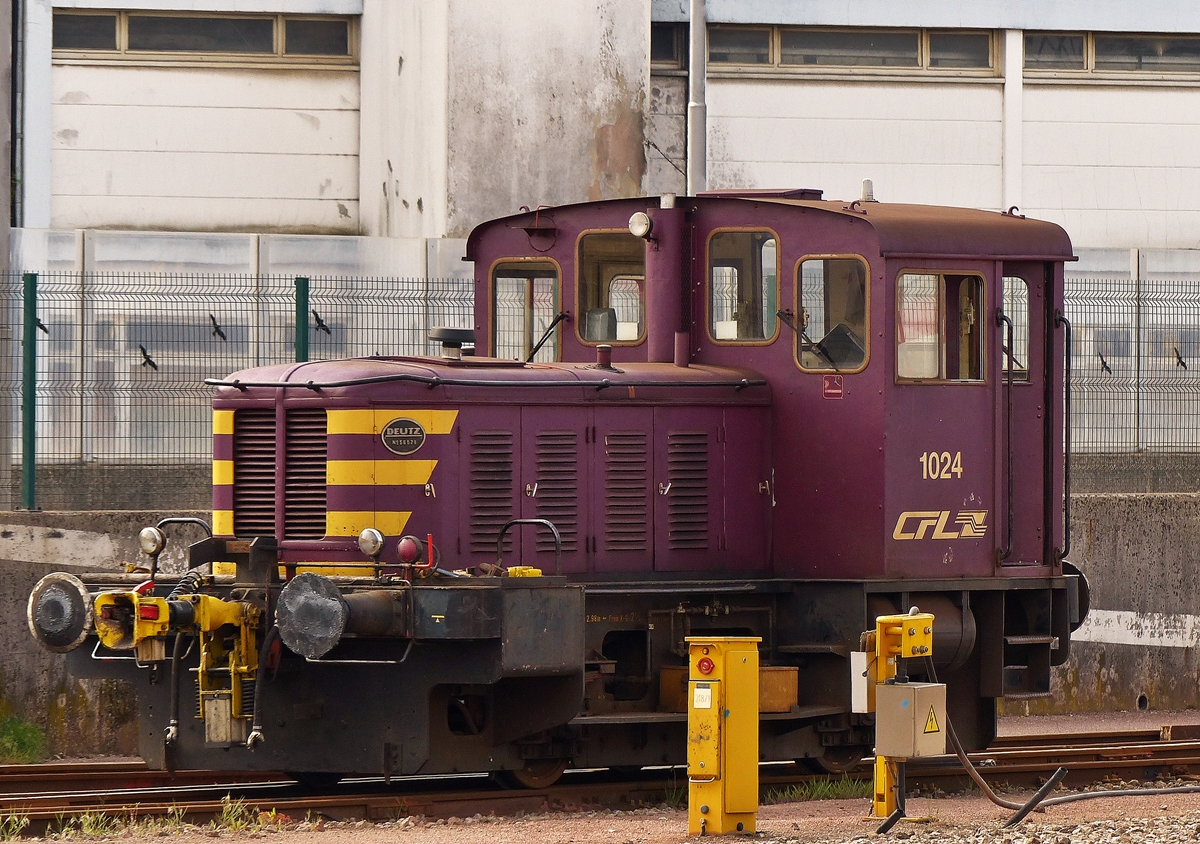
919, 143
205, 149
545, 107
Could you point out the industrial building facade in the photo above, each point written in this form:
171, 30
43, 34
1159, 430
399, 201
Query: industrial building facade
399, 119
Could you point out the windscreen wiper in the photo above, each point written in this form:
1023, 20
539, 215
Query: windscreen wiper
787, 317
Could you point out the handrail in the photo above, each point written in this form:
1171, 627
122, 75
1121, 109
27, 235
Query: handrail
1005, 552
435, 381
544, 523
1060, 319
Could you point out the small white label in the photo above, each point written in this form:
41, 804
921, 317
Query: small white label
702, 698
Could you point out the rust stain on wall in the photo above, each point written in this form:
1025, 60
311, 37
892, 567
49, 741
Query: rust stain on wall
618, 155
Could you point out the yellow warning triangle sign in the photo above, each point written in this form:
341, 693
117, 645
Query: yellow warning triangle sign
931, 724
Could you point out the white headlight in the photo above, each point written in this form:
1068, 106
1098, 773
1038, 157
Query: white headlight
370, 542
151, 540
640, 224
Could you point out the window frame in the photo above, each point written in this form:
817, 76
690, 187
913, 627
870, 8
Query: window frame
123, 55
983, 318
708, 323
579, 293
797, 299
679, 32
491, 300
1089, 72
1020, 376
923, 68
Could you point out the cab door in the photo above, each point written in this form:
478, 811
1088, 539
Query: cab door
1023, 463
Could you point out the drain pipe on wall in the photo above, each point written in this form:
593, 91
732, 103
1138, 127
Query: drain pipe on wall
697, 111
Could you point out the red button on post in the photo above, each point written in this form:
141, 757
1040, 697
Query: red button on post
705, 665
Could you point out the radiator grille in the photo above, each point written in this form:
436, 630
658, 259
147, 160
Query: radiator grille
626, 475
557, 497
254, 472
304, 475
491, 488
687, 501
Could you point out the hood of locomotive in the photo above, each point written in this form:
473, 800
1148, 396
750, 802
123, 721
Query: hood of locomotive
311, 454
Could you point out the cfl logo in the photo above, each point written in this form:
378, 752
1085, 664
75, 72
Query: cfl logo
917, 524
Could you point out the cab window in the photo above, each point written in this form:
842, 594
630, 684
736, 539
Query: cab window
1016, 308
832, 331
612, 281
743, 286
524, 306
939, 327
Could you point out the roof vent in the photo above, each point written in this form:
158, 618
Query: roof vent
868, 191
452, 340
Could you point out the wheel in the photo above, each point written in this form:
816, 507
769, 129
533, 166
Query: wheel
536, 773
316, 780
841, 759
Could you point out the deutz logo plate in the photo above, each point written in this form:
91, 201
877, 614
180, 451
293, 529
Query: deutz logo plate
402, 436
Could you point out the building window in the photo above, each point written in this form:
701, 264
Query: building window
1112, 53
135, 35
668, 46
524, 311
611, 274
832, 330
743, 286
939, 327
792, 48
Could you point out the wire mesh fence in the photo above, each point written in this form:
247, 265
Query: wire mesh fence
121, 361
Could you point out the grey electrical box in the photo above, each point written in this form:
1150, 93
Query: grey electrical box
910, 720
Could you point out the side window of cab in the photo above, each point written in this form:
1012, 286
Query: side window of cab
939, 327
832, 331
525, 310
743, 287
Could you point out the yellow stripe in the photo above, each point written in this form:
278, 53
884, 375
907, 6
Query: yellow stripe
222, 421
378, 472
374, 421
332, 570
222, 472
352, 522
222, 523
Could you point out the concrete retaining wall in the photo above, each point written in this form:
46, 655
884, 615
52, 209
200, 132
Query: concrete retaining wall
80, 717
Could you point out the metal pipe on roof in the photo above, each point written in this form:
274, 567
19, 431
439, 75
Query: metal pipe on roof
697, 111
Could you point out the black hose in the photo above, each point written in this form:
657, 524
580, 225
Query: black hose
256, 733
172, 733
189, 584
1046, 788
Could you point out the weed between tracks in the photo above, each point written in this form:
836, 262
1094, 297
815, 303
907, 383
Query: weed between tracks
841, 789
235, 816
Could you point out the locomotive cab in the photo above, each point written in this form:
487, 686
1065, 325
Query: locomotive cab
743, 413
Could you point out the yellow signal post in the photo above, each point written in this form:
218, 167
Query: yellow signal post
722, 734
909, 717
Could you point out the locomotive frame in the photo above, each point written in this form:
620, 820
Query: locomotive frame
703, 478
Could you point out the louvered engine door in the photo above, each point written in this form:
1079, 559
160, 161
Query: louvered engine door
554, 473
622, 476
489, 467
688, 490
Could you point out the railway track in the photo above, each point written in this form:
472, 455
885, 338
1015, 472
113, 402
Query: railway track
44, 793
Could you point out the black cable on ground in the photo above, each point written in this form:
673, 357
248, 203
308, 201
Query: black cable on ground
1023, 810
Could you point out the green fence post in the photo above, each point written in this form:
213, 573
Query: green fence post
301, 319
29, 396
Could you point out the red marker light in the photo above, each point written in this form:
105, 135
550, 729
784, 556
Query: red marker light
705, 665
409, 549
149, 612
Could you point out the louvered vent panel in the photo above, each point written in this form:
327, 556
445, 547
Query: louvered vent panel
687, 501
491, 488
626, 476
557, 497
254, 472
304, 479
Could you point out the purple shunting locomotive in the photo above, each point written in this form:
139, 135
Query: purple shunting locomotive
743, 413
